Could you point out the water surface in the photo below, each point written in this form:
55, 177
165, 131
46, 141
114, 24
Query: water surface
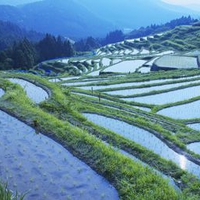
37, 164
35, 93
195, 147
146, 139
185, 111
168, 97
1, 92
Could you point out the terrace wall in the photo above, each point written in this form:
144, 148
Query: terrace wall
155, 67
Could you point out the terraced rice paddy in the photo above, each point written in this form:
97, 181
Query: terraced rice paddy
149, 89
35, 93
185, 111
106, 62
177, 62
36, 164
145, 126
168, 97
195, 147
195, 126
144, 70
145, 51
126, 66
94, 73
133, 84
145, 139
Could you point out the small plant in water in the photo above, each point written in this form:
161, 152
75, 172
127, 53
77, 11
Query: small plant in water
45, 195
31, 179
36, 187
103, 196
20, 165
69, 197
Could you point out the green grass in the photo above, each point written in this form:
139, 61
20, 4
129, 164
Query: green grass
132, 180
6, 194
85, 139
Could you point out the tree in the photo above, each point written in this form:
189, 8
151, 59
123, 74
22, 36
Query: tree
87, 44
51, 47
113, 37
24, 54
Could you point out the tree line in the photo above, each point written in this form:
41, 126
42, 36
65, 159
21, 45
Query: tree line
118, 35
25, 54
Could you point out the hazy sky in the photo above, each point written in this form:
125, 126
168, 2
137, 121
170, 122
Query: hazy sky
175, 2
192, 4
16, 2
183, 2
195, 4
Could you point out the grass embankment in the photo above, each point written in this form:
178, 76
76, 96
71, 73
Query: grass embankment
6, 194
183, 133
132, 180
141, 78
143, 154
59, 108
167, 123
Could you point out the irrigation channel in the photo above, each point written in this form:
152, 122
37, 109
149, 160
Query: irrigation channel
36, 164
146, 139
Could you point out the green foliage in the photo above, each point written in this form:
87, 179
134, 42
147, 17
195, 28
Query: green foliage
51, 47
87, 44
5, 193
129, 177
153, 29
24, 54
132, 180
113, 37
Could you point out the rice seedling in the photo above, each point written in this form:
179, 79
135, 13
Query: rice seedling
6, 194
122, 172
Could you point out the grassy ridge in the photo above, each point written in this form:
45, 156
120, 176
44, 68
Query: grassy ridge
132, 180
129, 177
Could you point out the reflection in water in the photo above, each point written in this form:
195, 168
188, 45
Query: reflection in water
183, 162
145, 139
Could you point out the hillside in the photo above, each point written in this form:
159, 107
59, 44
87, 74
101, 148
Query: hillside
62, 17
10, 33
105, 124
134, 14
82, 18
132, 127
138, 55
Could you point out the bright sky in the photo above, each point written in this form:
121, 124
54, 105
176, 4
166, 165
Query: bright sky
183, 2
